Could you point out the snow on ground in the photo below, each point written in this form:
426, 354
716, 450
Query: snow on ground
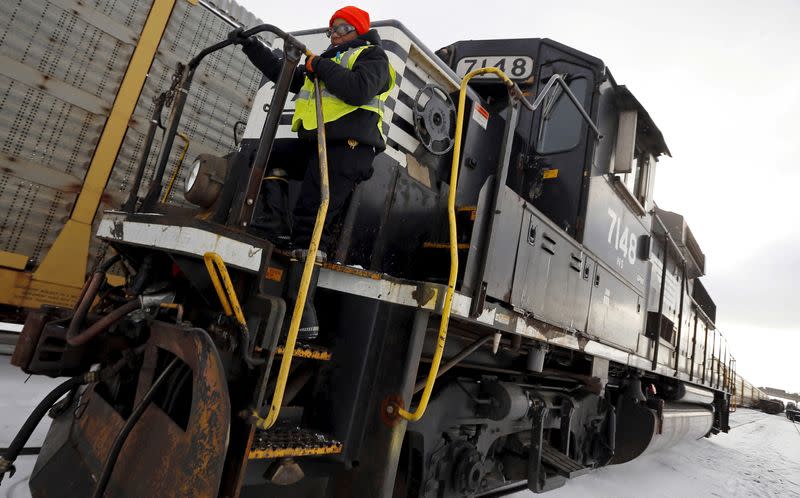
760, 457
19, 395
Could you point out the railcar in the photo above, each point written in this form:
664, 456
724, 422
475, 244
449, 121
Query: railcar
506, 306
744, 393
81, 83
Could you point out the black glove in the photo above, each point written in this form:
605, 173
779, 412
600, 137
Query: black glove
236, 37
311, 64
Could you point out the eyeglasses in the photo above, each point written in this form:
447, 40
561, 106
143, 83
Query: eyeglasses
341, 30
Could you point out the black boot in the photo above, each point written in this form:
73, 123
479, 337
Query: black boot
309, 326
272, 217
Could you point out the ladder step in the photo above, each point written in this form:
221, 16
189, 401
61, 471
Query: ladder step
444, 245
283, 442
308, 351
562, 463
468, 212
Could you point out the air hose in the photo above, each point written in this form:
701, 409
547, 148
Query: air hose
122, 436
18, 444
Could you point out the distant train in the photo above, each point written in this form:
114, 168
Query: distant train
771, 406
792, 412
506, 307
746, 394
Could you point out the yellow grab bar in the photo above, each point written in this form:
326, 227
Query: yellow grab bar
177, 167
230, 303
451, 216
305, 279
227, 295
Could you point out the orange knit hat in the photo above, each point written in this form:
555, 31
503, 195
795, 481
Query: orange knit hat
358, 18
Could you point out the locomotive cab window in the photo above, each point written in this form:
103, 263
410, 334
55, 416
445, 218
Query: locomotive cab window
633, 164
637, 180
562, 123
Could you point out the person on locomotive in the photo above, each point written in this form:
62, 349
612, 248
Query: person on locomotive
356, 79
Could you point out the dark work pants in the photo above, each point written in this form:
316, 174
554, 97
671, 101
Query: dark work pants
347, 167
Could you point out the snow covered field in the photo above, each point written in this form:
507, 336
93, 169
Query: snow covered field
760, 456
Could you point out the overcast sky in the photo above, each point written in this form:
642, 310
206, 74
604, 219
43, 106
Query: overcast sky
721, 79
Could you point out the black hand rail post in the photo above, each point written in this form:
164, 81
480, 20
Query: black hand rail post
657, 337
247, 196
130, 204
182, 92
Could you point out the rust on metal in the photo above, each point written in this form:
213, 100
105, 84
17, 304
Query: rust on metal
390, 413
31, 332
309, 352
298, 451
284, 442
176, 462
425, 295
352, 271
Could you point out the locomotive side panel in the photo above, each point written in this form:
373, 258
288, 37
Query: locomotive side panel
549, 278
616, 315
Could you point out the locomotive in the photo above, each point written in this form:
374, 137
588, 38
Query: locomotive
506, 306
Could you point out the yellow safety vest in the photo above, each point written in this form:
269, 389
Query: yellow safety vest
305, 113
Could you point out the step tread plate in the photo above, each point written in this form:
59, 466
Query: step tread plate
308, 351
569, 467
282, 442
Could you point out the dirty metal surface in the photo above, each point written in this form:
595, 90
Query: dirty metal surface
191, 240
29, 338
160, 458
309, 351
287, 441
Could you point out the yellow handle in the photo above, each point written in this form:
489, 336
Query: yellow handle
451, 216
227, 295
305, 279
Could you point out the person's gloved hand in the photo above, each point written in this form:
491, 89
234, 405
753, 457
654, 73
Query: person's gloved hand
236, 37
311, 63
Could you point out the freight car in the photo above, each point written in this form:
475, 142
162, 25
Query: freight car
81, 83
505, 306
746, 394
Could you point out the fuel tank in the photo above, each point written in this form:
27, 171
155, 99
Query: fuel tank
680, 422
646, 426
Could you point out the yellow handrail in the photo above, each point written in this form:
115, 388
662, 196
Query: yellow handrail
226, 294
451, 216
177, 167
305, 279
